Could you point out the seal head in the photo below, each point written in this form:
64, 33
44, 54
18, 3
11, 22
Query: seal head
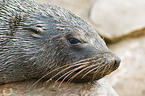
46, 41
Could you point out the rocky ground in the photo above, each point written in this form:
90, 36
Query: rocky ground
122, 25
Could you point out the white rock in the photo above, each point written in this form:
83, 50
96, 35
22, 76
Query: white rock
99, 88
129, 79
115, 18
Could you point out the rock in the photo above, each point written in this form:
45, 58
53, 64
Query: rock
99, 88
116, 19
129, 79
79, 7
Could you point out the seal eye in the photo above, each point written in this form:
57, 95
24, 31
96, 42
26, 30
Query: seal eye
74, 41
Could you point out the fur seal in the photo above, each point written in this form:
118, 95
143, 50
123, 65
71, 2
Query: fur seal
46, 41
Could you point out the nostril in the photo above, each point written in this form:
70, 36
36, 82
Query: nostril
116, 62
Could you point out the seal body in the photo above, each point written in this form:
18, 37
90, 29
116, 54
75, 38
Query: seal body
46, 41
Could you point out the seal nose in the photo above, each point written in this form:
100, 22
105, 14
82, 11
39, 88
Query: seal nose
116, 62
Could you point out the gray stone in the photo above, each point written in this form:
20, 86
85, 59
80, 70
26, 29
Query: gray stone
79, 7
99, 88
117, 18
129, 79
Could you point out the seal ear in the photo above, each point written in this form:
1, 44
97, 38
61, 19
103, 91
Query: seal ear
35, 31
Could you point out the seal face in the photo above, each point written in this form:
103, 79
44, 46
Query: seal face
46, 41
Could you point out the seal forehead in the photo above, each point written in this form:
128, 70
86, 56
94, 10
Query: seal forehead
73, 24
92, 37
89, 36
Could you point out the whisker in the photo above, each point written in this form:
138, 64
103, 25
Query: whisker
98, 70
74, 64
71, 65
47, 75
91, 70
79, 73
63, 71
104, 70
87, 68
69, 73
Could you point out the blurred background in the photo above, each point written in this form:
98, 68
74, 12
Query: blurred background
121, 23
